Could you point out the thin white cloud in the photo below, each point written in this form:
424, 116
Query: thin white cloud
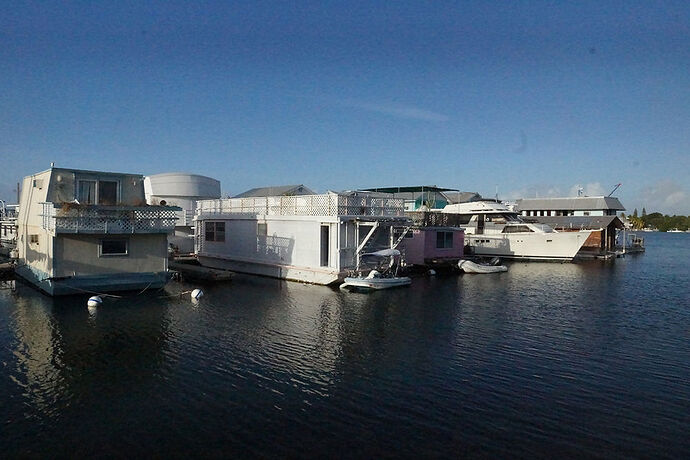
665, 196
554, 191
535, 191
410, 113
591, 189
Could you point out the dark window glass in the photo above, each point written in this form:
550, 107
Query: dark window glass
516, 229
87, 192
107, 192
215, 231
444, 240
220, 231
114, 247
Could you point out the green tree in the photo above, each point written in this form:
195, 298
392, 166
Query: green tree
635, 213
644, 212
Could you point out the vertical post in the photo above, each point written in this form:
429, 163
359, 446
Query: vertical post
606, 240
356, 245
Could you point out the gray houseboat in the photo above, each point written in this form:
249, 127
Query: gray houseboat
90, 231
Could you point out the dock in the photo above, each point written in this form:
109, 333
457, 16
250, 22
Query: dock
191, 271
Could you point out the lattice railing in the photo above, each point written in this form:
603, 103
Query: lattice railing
330, 204
70, 218
437, 219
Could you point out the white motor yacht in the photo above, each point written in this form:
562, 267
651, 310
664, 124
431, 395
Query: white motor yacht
494, 230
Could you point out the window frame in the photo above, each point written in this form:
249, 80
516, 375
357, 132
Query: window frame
117, 192
214, 231
96, 192
447, 239
101, 253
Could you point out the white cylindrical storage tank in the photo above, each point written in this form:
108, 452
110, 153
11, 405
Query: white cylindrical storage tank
179, 188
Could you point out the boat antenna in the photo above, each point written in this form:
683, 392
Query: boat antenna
614, 189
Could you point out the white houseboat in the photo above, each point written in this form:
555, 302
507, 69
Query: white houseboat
89, 231
311, 238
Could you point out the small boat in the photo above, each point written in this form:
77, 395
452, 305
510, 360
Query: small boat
376, 279
468, 266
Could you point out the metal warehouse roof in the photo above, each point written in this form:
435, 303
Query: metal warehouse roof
580, 203
583, 222
278, 190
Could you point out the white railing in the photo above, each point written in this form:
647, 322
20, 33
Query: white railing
69, 218
329, 204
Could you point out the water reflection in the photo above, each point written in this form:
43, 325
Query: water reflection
523, 362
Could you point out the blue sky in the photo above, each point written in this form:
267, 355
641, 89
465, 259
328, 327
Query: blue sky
532, 98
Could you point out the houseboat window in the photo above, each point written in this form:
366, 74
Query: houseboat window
215, 231
33, 239
113, 247
107, 192
262, 229
87, 192
444, 240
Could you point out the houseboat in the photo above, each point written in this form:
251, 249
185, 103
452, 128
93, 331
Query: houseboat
429, 243
317, 238
90, 231
432, 241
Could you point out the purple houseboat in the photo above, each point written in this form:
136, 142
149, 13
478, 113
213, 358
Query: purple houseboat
433, 246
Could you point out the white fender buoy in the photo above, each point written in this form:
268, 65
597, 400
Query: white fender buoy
94, 301
197, 293
432, 272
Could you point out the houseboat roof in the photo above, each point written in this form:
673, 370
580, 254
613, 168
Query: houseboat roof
580, 203
84, 171
276, 190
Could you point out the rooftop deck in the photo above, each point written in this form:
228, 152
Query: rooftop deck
69, 218
328, 204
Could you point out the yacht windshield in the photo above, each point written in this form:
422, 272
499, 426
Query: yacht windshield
517, 229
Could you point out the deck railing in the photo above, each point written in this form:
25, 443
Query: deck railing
69, 218
329, 204
437, 219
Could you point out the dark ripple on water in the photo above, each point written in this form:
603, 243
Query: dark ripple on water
587, 359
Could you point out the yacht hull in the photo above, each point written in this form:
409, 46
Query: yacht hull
533, 246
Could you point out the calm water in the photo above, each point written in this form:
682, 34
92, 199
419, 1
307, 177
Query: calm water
588, 359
